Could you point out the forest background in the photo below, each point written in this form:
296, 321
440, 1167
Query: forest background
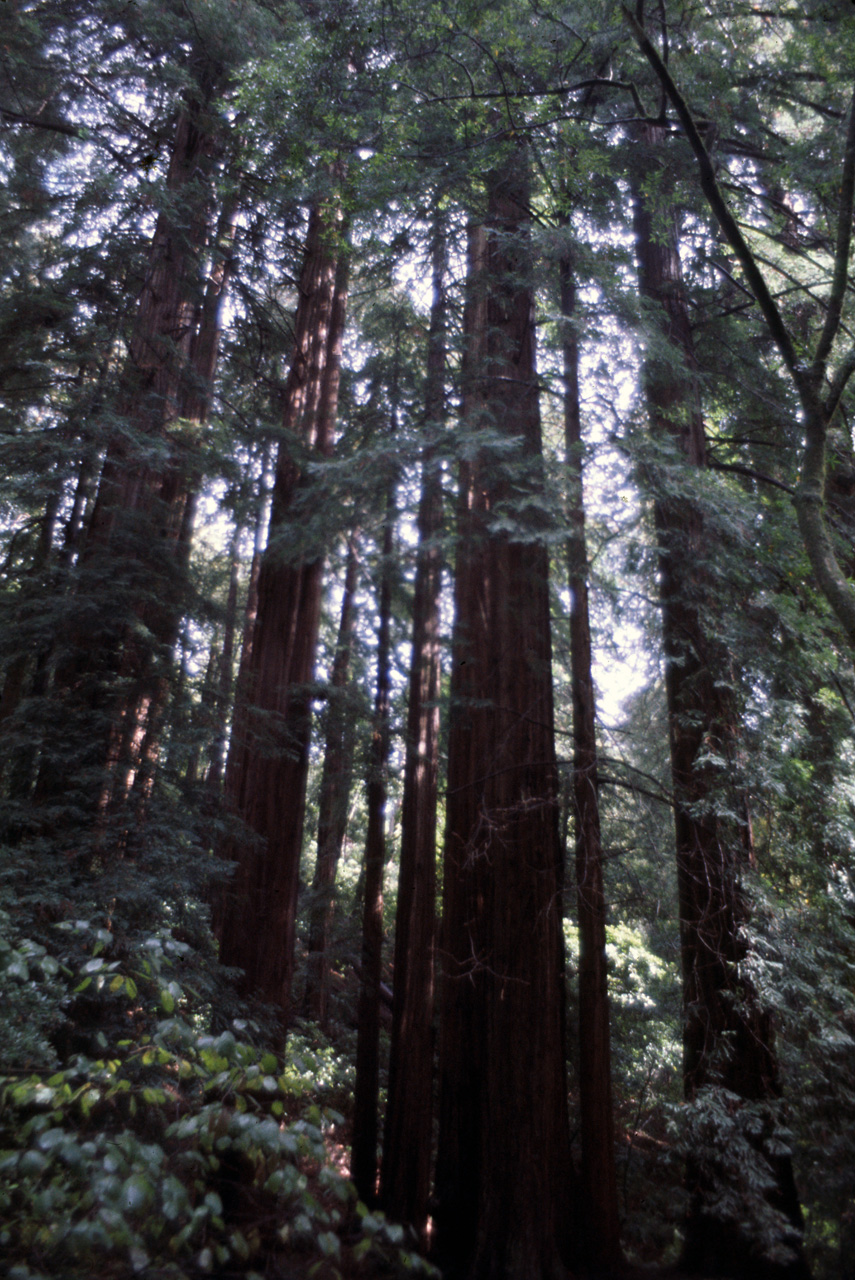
426, 685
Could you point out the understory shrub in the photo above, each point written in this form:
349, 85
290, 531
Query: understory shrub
168, 1152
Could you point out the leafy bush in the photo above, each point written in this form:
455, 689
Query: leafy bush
173, 1153
30, 1001
319, 1069
731, 1145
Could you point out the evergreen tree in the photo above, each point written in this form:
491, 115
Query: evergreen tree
268, 758
504, 1181
408, 1134
599, 1181
333, 799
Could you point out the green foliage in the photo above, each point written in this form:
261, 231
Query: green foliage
645, 1018
731, 1145
316, 1069
30, 1002
173, 1152
645, 1014
803, 960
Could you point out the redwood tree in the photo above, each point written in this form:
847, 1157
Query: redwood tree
268, 759
728, 1038
333, 799
598, 1182
408, 1134
363, 1163
113, 658
504, 1182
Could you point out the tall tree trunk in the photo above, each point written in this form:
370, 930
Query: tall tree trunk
210, 720
220, 893
363, 1163
261, 522
333, 800
198, 720
408, 1134
138, 532
83, 493
268, 759
14, 682
224, 676
599, 1181
25, 673
504, 1182
158, 378
176, 498
728, 1038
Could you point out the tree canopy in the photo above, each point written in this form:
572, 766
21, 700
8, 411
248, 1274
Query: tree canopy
427, 606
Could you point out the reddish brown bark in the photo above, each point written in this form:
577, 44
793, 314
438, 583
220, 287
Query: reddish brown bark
268, 758
598, 1180
161, 379
175, 494
138, 533
250, 616
333, 800
504, 1183
363, 1162
219, 894
728, 1038
408, 1133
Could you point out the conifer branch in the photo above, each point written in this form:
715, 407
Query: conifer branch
718, 204
36, 122
751, 474
810, 496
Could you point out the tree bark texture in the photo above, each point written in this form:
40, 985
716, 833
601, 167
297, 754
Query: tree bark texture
408, 1134
25, 673
172, 355
333, 800
363, 1163
503, 1184
268, 759
261, 521
599, 1180
219, 895
139, 530
224, 677
173, 492
728, 1039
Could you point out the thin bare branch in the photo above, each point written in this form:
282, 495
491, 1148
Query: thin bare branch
717, 202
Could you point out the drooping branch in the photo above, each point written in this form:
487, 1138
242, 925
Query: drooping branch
807, 378
716, 201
